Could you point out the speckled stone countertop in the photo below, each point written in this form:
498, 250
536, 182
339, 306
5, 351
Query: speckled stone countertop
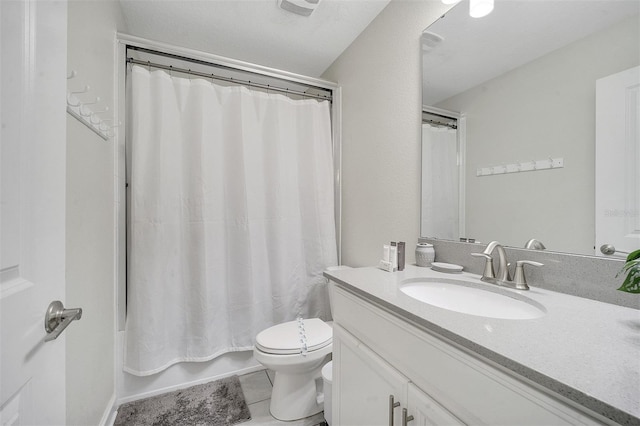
584, 350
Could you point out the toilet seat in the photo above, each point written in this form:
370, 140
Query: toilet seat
285, 338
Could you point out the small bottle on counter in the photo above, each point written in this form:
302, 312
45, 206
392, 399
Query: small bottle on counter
425, 254
393, 254
401, 255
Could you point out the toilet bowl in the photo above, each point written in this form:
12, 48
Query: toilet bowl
282, 349
298, 371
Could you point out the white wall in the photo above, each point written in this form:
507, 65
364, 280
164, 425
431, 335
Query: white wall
546, 109
90, 378
381, 77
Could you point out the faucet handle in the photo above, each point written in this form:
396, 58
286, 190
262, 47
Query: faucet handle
488, 266
485, 255
519, 280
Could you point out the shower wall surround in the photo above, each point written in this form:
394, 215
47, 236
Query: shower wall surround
583, 276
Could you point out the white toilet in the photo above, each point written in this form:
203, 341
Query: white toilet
294, 395
280, 348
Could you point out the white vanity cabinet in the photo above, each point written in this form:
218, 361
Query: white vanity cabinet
377, 354
366, 384
372, 392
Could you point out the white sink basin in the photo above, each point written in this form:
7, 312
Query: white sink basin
471, 298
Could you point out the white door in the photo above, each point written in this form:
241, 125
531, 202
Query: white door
363, 384
32, 239
618, 161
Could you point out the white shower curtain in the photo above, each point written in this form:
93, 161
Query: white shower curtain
231, 221
440, 177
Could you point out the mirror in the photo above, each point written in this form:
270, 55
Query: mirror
519, 85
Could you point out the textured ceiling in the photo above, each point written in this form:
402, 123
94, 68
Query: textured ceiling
475, 50
256, 31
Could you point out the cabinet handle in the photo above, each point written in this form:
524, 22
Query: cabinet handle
405, 419
392, 406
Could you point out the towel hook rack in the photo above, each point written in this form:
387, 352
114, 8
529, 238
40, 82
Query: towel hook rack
71, 96
83, 107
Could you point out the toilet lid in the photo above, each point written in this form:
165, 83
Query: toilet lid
284, 339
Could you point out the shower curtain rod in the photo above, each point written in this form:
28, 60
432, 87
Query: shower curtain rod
440, 123
228, 79
451, 123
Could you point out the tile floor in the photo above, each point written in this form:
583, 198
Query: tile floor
257, 392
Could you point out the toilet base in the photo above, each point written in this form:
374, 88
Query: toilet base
294, 395
298, 376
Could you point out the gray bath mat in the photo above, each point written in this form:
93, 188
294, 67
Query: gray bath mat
212, 404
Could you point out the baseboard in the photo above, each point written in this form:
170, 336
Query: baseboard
109, 415
160, 391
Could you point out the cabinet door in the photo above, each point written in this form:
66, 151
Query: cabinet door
363, 383
426, 411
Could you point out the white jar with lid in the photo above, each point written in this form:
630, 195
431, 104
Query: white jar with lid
425, 254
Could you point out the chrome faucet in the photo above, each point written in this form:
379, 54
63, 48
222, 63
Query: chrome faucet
503, 278
503, 267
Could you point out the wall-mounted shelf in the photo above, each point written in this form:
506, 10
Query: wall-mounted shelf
523, 166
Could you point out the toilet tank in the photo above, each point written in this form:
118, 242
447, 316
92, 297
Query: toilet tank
329, 269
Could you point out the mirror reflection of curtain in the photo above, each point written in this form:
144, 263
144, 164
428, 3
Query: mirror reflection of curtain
440, 176
232, 217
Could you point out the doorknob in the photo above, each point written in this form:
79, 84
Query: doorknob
609, 249
58, 318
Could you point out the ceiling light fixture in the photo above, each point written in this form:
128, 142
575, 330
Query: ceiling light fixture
299, 7
480, 8
450, 1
